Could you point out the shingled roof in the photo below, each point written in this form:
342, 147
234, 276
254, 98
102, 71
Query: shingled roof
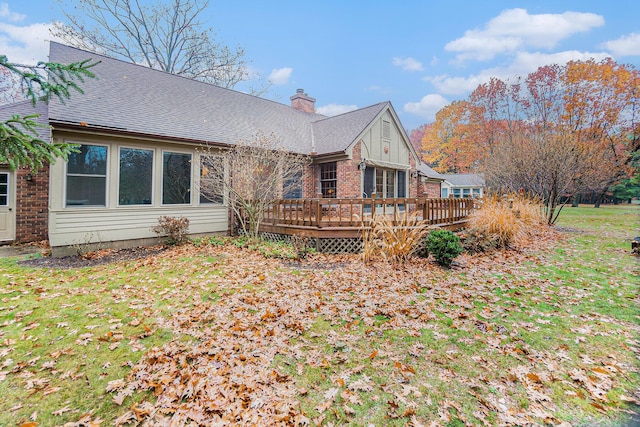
25, 108
133, 99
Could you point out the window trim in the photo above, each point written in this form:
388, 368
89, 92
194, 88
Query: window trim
153, 176
334, 180
107, 187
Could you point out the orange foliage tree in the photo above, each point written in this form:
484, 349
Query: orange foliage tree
560, 131
449, 144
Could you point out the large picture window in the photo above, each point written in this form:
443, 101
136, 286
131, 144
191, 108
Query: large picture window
212, 179
176, 178
136, 176
328, 179
87, 176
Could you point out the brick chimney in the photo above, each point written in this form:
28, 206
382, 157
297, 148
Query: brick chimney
301, 101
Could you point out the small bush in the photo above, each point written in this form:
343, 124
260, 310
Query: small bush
444, 246
175, 229
474, 241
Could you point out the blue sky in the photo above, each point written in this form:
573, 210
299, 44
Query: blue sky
420, 55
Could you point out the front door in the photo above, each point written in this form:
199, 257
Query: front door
7, 208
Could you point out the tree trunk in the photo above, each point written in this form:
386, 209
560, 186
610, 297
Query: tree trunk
576, 200
599, 199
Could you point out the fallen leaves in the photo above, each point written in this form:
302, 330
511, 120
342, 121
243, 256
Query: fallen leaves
404, 344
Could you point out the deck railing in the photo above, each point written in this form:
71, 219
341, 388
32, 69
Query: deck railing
320, 213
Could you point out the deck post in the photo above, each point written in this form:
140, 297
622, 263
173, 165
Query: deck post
425, 211
373, 205
318, 211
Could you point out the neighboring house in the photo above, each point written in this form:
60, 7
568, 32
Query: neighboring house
434, 184
430, 182
139, 132
463, 185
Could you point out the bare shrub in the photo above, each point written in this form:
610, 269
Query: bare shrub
176, 229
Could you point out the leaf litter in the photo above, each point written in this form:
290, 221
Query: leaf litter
246, 329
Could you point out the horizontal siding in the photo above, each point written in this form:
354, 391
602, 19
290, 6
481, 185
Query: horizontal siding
73, 226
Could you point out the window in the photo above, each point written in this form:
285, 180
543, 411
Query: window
379, 183
4, 189
369, 187
445, 192
87, 176
136, 176
402, 184
476, 193
328, 179
455, 192
212, 179
292, 185
176, 178
466, 192
389, 183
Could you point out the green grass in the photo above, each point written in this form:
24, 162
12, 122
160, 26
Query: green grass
498, 334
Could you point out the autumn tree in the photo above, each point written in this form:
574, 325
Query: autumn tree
415, 137
601, 104
251, 175
448, 144
20, 145
167, 36
570, 134
560, 131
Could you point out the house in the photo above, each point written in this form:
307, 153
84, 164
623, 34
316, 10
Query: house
463, 185
429, 182
434, 184
139, 132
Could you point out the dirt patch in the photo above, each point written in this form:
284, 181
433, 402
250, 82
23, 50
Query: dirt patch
91, 259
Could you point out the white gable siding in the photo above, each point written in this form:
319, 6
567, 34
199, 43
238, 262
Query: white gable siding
377, 147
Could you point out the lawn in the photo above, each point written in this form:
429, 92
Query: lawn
547, 334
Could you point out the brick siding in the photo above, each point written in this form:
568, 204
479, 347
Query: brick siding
32, 205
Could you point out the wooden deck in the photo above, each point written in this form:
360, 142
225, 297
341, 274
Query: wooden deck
346, 218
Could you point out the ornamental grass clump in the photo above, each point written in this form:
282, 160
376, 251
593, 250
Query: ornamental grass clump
501, 222
394, 239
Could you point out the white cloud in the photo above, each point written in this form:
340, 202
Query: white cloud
628, 45
280, 76
25, 44
335, 109
407, 64
11, 16
523, 64
515, 29
427, 107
